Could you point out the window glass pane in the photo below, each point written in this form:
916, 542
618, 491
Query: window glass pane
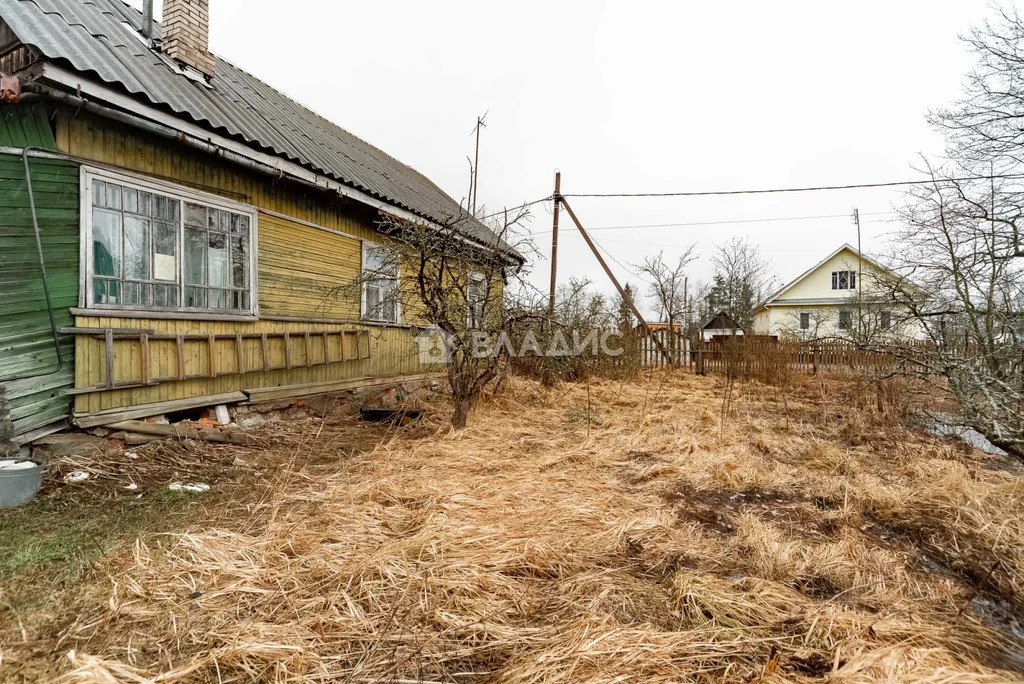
239, 224
195, 257
106, 243
165, 295
219, 299
99, 193
165, 251
218, 259
195, 215
372, 300
131, 293
239, 262
130, 198
195, 297
113, 196
380, 261
136, 248
218, 220
166, 208
146, 207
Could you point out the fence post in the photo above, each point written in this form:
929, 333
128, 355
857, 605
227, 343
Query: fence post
814, 360
700, 357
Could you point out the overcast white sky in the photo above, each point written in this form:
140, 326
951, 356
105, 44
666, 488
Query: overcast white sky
631, 97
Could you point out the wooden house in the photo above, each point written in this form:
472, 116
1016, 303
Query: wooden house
174, 232
719, 324
842, 294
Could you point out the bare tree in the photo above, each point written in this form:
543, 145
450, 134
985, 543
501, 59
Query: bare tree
741, 280
667, 284
960, 258
466, 284
961, 279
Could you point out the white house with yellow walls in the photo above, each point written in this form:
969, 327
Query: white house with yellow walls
826, 299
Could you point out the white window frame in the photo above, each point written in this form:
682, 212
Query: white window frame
86, 296
800, 320
851, 280
369, 245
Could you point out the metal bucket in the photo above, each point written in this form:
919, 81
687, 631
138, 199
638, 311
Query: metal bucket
20, 479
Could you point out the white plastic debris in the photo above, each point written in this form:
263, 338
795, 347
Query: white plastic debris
76, 476
131, 455
239, 462
16, 464
197, 487
131, 486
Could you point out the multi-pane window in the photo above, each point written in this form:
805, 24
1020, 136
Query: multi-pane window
216, 258
884, 320
845, 319
380, 284
805, 321
844, 280
476, 299
134, 246
153, 249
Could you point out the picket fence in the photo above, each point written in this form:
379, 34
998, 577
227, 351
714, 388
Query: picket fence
760, 352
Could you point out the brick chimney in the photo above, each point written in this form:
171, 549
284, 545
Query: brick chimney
186, 33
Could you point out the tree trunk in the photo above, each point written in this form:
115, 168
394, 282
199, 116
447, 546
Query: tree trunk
461, 413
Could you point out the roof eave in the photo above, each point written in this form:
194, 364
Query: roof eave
66, 80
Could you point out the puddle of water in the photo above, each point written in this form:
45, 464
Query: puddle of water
947, 425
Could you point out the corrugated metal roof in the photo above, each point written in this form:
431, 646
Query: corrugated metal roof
101, 37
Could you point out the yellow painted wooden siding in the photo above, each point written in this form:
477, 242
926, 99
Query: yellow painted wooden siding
307, 272
393, 351
95, 139
302, 271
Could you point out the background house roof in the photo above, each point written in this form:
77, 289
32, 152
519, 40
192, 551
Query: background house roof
103, 38
788, 286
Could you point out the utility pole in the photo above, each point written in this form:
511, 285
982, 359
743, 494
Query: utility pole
476, 157
554, 242
860, 274
611, 276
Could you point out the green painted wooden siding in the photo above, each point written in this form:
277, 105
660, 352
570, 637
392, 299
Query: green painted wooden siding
26, 345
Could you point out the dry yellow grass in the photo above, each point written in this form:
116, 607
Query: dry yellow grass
617, 534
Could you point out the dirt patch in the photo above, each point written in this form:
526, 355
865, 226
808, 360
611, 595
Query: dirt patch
718, 510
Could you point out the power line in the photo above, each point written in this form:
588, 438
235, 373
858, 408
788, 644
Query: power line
524, 205
621, 265
765, 191
818, 188
722, 223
